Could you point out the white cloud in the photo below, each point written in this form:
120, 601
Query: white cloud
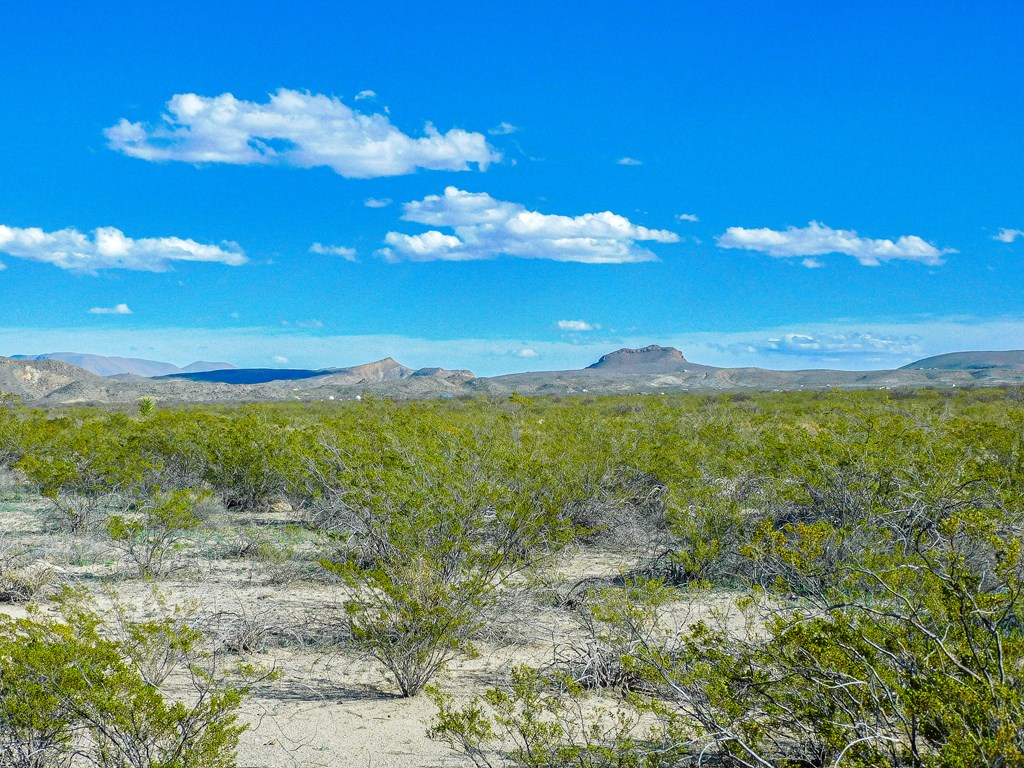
110, 248
577, 326
2, 266
377, 202
367, 94
1008, 235
119, 309
687, 217
812, 263
348, 254
527, 353
279, 359
629, 161
486, 228
848, 343
817, 239
430, 246
503, 129
296, 129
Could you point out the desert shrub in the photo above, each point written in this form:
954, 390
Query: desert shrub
244, 458
430, 537
154, 531
708, 534
241, 455
10, 431
81, 468
275, 549
175, 444
23, 576
68, 690
535, 721
244, 631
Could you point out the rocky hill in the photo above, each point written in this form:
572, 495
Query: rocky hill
35, 379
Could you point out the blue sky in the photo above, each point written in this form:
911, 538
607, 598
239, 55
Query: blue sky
503, 188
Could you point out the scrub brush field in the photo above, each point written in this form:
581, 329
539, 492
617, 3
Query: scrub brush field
779, 579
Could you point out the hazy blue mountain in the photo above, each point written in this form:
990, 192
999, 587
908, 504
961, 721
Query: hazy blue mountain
116, 366
246, 375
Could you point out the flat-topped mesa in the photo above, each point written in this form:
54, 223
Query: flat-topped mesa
652, 357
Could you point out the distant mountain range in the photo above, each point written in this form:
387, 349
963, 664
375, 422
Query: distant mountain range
50, 379
115, 366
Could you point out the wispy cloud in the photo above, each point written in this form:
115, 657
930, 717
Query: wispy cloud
687, 217
527, 353
629, 161
297, 129
110, 248
348, 254
310, 324
367, 94
1008, 235
486, 228
817, 239
279, 359
503, 129
812, 263
835, 344
377, 202
119, 309
576, 326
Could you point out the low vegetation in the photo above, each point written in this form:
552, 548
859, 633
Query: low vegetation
811, 579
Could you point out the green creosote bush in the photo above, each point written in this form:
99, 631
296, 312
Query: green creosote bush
432, 534
538, 721
81, 466
152, 534
245, 458
70, 692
